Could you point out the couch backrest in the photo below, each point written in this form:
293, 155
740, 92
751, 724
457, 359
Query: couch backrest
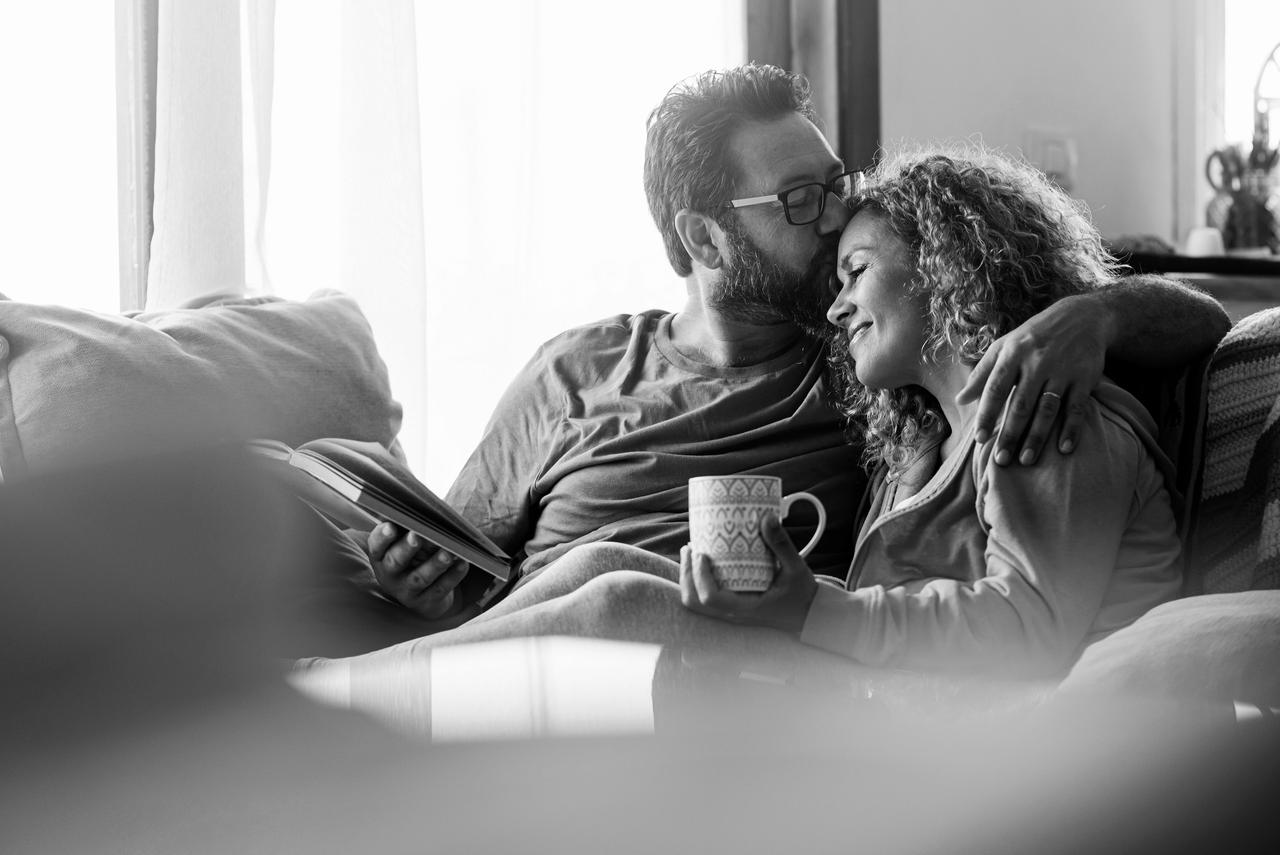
78, 387
1235, 541
1177, 401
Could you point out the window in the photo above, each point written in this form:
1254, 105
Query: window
60, 208
1252, 31
532, 118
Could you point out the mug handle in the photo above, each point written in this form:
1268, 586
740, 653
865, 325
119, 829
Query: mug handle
1220, 182
788, 501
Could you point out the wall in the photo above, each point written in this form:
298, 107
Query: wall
1100, 71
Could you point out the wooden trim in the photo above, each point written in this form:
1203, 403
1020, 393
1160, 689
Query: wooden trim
137, 25
769, 32
813, 54
1199, 40
858, 67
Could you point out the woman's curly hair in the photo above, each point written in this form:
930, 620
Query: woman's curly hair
994, 242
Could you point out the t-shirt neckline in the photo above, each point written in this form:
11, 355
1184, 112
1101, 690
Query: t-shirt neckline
797, 354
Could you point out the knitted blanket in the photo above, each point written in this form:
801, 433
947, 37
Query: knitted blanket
1236, 542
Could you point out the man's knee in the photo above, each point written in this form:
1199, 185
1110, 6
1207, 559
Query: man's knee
624, 595
592, 560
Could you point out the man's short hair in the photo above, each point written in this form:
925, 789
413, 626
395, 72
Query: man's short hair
686, 163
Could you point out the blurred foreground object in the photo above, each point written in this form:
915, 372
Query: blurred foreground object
144, 712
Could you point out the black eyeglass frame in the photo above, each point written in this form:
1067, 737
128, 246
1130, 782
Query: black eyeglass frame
857, 176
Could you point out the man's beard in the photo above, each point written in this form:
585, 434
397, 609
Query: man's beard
757, 289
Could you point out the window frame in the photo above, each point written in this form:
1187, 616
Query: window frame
137, 25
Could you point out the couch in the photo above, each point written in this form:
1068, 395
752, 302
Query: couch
79, 388
1220, 642
144, 716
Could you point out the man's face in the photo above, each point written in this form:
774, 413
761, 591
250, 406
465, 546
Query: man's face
775, 271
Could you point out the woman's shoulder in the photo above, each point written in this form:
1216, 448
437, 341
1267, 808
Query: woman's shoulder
1116, 405
1116, 427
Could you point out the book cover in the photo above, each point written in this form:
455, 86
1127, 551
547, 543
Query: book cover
360, 484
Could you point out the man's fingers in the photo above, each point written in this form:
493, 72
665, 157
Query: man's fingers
448, 578
429, 572
1018, 412
995, 397
1048, 409
435, 598
381, 538
978, 378
405, 554
1074, 402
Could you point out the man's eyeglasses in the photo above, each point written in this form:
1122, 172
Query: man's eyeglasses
804, 203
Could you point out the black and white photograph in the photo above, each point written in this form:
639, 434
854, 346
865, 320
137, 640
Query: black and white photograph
640, 426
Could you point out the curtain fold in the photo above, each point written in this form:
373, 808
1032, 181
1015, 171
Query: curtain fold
335, 201
198, 243
259, 29
309, 144
383, 238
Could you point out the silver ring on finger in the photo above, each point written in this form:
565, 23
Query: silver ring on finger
1053, 395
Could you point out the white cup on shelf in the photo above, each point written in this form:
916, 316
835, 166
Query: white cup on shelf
1204, 240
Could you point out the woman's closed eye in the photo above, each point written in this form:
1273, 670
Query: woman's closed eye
851, 274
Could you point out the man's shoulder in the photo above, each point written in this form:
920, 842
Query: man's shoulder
583, 355
612, 330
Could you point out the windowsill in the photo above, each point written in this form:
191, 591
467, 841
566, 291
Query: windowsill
1243, 284
1217, 265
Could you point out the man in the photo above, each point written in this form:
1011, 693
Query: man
598, 435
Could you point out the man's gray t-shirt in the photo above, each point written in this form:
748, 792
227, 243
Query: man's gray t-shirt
597, 438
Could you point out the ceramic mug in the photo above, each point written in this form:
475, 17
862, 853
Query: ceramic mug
725, 513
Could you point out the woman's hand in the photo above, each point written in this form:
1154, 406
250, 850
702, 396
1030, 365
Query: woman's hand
784, 606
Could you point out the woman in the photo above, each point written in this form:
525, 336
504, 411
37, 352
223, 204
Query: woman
1022, 565
961, 564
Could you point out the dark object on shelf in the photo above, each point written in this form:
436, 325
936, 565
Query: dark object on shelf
1145, 244
1221, 265
1245, 204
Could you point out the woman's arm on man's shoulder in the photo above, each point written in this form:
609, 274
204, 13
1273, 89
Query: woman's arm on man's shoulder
1042, 373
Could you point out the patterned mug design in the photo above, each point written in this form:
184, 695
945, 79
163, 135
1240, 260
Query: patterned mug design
725, 512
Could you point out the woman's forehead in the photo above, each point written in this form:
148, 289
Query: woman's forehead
868, 230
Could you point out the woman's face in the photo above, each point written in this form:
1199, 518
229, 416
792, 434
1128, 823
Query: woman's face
884, 320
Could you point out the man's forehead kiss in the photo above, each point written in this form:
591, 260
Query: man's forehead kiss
776, 154
848, 251
801, 173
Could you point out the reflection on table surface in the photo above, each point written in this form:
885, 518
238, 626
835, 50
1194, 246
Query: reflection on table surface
514, 688
209, 758
140, 714
562, 686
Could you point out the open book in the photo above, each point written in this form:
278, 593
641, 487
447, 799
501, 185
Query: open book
360, 484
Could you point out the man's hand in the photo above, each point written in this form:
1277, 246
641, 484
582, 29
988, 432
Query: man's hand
784, 606
414, 572
1044, 371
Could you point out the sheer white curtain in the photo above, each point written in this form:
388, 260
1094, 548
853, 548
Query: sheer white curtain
59, 207
470, 172
288, 161
198, 243
533, 148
